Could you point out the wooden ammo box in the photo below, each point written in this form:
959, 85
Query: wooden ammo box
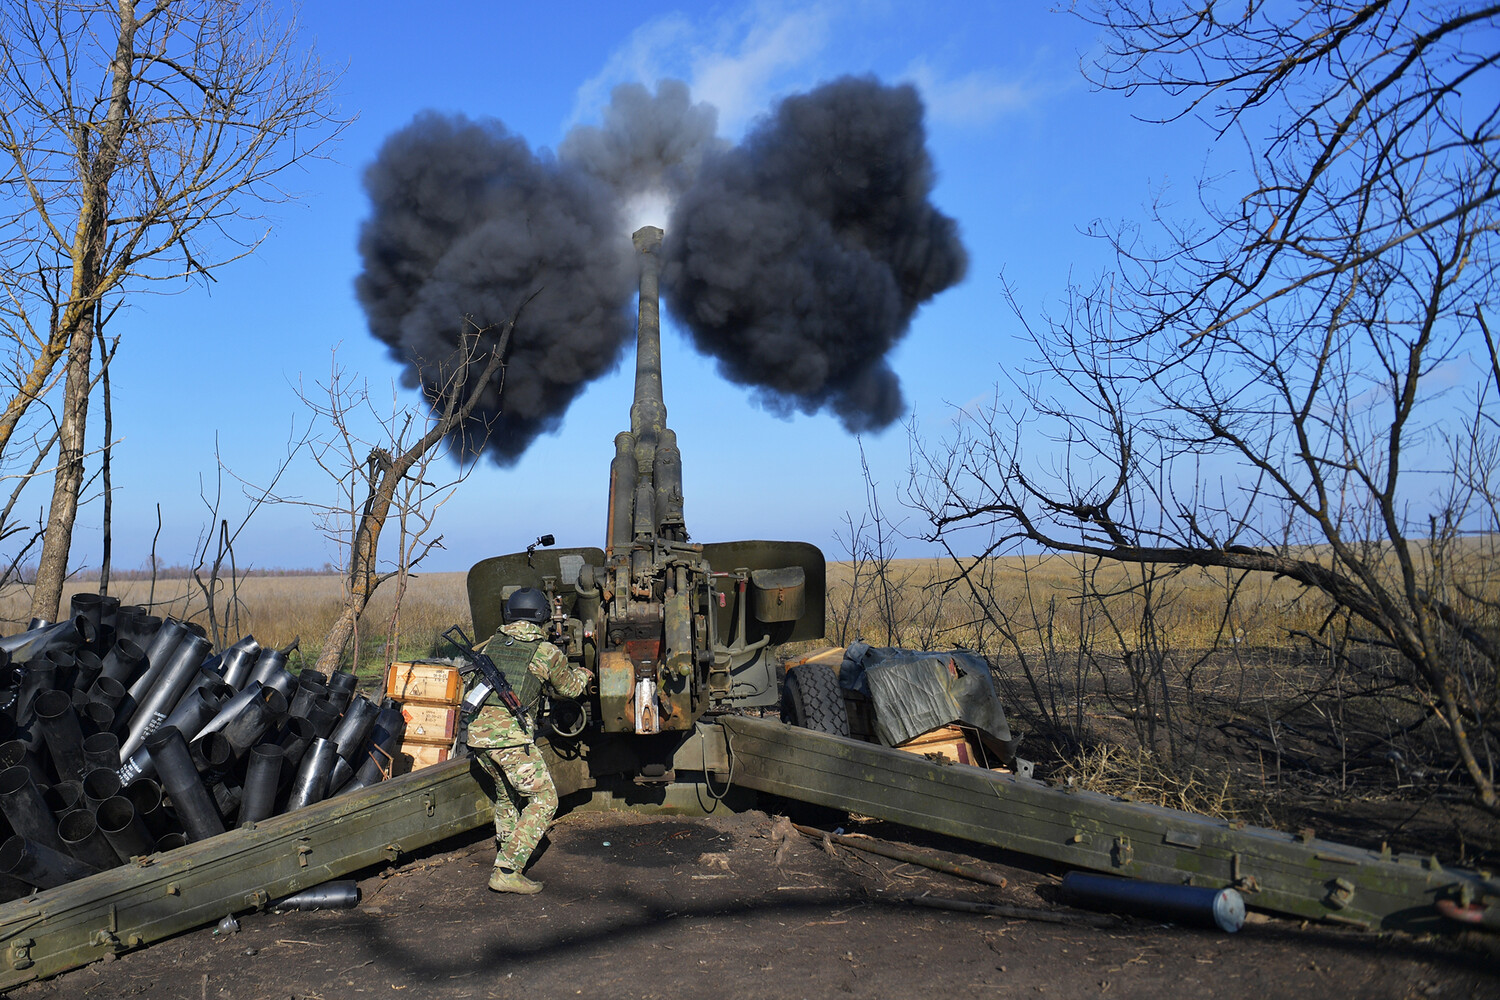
953, 744
430, 694
429, 683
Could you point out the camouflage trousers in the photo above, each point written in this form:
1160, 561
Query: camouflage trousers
519, 773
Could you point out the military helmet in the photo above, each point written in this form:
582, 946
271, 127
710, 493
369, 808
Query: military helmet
527, 605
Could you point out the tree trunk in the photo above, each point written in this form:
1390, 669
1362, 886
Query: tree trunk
97, 169
361, 575
52, 569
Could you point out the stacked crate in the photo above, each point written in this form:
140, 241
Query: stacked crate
430, 692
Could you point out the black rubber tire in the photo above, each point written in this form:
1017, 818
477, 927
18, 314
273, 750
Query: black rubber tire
811, 698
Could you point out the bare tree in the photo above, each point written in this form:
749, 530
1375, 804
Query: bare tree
386, 473
1301, 383
134, 136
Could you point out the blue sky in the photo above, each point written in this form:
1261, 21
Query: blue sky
1027, 157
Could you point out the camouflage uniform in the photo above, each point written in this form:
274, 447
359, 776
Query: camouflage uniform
507, 752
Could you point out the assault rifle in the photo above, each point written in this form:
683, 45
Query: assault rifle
492, 681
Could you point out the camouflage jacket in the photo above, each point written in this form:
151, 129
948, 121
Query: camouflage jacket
494, 726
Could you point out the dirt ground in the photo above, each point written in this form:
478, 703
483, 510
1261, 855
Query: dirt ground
659, 907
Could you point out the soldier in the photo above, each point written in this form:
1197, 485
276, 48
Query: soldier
503, 748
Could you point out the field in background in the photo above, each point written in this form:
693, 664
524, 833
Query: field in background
930, 607
921, 612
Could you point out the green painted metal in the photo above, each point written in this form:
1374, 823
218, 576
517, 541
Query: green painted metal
489, 580
757, 554
166, 894
1294, 875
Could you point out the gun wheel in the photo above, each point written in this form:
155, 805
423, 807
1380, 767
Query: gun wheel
811, 698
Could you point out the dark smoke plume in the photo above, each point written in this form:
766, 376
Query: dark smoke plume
647, 143
467, 222
799, 257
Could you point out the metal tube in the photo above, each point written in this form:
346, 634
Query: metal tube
171, 841
107, 691
89, 667
89, 605
99, 784
281, 680
26, 646
213, 757
199, 705
262, 782
238, 660
17, 753
36, 678
246, 728
227, 796
158, 652
1199, 906
380, 750
64, 796
39, 864
145, 795
324, 717
179, 779
250, 692
295, 737
343, 895
269, 661
124, 830
359, 719
309, 691
64, 668
157, 702
60, 730
25, 809
341, 688
102, 750
94, 718
80, 834
311, 783
123, 663
338, 777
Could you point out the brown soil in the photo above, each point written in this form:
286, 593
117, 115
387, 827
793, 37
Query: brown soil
668, 907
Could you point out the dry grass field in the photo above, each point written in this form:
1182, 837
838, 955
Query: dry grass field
921, 610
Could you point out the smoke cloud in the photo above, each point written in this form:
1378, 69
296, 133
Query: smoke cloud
798, 258
648, 144
466, 222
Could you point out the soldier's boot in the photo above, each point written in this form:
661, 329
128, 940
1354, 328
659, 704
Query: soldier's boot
506, 880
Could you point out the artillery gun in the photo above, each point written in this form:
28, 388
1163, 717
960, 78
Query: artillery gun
678, 632
672, 628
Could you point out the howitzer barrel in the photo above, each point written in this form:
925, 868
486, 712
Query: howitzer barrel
646, 474
648, 412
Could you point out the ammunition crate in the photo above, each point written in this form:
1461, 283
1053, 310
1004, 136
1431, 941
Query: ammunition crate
430, 723
952, 744
947, 742
433, 683
415, 756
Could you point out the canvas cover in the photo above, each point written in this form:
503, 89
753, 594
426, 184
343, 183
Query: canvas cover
916, 692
